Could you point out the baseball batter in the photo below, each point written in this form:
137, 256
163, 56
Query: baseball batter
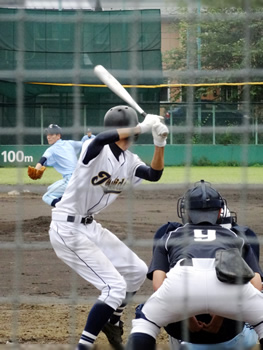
62, 155
105, 167
190, 285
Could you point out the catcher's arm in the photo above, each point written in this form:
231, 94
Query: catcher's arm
256, 281
158, 278
36, 172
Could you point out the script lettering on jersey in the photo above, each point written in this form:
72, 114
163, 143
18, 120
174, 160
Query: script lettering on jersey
204, 235
108, 184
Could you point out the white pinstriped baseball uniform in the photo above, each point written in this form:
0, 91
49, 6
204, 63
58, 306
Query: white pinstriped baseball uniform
92, 251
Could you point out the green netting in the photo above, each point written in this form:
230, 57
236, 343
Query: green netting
55, 43
111, 38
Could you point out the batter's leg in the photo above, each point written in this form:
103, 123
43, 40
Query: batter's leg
98, 316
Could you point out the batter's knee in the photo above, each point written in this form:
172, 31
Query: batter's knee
114, 294
140, 275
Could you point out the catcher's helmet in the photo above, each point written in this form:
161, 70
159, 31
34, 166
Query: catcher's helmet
200, 204
227, 217
121, 116
53, 129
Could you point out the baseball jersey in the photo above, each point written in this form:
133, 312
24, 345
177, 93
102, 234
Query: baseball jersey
96, 184
197, 241
249, 236
63, 156
229, 328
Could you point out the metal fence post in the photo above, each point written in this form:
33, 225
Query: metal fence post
42, 124
214, 124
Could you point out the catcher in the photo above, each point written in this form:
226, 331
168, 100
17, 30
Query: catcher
195, 279
63, 156
204, 332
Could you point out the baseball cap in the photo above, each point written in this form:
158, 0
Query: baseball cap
203, 203
53, 129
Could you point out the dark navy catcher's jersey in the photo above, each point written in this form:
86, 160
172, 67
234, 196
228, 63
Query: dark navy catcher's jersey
196, 241
173, 242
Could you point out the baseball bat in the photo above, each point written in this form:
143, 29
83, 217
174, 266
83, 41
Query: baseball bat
115, 86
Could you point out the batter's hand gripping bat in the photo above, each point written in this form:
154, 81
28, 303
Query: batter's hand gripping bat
115, 86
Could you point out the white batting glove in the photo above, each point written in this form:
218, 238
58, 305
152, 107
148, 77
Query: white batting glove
159, 132
149, 120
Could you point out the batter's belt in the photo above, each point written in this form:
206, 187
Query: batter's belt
77, 219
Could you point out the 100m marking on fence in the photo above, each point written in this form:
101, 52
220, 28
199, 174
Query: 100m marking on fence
19, 156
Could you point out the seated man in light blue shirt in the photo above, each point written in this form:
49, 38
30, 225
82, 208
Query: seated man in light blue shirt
62, 155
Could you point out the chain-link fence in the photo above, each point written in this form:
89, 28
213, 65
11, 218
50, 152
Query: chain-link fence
46, 76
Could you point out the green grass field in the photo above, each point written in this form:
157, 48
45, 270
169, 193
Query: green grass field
171, 175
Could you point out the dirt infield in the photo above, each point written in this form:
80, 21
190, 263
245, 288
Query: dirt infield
41, 301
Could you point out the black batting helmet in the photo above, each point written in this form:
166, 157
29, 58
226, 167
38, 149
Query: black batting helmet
53, 129
121, 117
200, 204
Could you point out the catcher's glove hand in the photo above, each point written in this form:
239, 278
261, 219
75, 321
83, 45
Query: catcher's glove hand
34, 173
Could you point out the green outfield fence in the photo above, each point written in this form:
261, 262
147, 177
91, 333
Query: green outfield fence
14, 155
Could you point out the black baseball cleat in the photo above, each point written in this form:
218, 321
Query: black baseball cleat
114, 334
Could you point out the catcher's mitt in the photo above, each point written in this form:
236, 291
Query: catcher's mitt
34, 173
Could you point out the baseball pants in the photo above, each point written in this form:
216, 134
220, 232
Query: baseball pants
193, 290
98, 256
56, 190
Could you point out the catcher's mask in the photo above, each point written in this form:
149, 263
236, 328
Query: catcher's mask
121, 117
200, 204
227, 218
53, 129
